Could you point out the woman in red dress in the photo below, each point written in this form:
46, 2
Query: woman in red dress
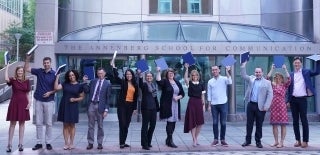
278, 108
18, 109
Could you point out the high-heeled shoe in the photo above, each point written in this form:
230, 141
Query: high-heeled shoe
20, 146
9, 148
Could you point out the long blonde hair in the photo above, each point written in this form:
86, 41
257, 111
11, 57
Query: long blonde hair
279, 76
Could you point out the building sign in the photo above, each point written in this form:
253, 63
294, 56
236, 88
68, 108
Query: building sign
180, 48
44, 38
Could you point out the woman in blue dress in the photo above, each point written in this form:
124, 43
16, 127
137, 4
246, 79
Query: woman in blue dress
69, 105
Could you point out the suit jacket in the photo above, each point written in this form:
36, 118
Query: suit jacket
166, 98
147, 97
104, 96
265, 90
307, 74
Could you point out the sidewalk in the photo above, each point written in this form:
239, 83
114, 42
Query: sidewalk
234, 136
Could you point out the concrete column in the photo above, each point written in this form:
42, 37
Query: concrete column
231, 117
316, 31
46, 20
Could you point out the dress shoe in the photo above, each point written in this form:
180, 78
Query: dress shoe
49, 147
149, 145
145, 148
215, 142
121, 146
224, 143
259, 145
9, 148
99, 147
90, 146
126, 145
245, 144
297, 144
304, 144
37, 146
20, 146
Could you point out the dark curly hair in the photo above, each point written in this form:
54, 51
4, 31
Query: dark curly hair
66, 76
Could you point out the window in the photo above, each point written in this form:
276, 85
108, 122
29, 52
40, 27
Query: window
194, 6
202, 7
165, 6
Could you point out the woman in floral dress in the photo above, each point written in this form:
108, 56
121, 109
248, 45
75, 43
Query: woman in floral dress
278, 108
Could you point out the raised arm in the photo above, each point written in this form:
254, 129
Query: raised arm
186, 78
228, 74
27, 67
244, 72
57, 86
284, 67
271, 71
6, 74
158, 75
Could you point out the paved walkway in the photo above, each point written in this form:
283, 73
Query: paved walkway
234, 136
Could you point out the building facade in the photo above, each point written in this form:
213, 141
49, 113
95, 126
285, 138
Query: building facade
85, 35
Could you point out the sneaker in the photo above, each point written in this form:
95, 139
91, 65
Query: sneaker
214, 143
224, 143
49, 147
37, 147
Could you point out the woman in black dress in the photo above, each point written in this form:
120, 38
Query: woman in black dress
149, 108
170, 110
194, 114
69, 105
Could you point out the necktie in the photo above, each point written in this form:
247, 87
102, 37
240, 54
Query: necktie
96, 96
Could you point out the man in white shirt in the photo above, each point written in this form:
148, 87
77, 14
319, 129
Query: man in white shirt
217, 98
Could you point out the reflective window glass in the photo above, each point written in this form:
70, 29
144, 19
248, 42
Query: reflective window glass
121, 32
161, 31
202, 32
88, 34
280, 36
165, 6
194, 6
244, 33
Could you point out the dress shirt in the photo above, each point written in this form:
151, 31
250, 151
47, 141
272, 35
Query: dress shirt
95, 89
299, 85
255, 90
217, 89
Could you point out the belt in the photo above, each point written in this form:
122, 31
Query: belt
299, 96
253, 102
95, 102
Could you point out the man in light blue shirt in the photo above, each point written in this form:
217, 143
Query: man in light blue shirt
258, 95
217, 98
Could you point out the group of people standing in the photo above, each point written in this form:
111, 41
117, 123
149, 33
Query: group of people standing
261, 94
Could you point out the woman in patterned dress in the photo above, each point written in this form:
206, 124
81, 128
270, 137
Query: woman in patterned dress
18, 109
278, 108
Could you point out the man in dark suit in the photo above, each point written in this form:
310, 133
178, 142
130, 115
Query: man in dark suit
299, 89
99, 91
258, 95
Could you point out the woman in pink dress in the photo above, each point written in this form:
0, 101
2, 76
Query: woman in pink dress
278, 108
18, 109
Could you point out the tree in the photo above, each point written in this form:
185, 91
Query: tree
27, 30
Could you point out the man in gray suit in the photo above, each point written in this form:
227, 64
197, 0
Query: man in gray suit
99, 91
258, 95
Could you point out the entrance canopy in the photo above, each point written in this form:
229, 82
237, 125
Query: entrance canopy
182, 31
